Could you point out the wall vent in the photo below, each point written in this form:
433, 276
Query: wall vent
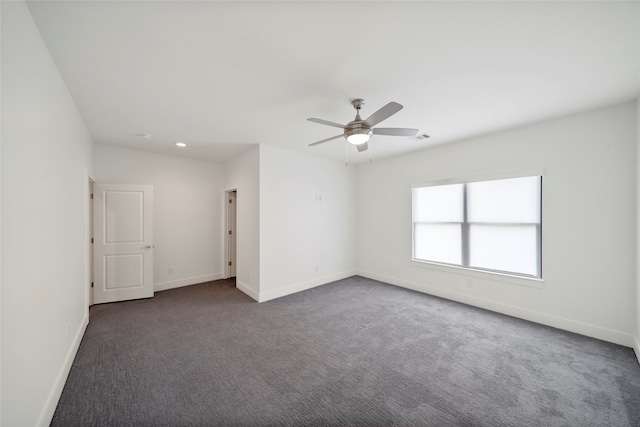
421, 136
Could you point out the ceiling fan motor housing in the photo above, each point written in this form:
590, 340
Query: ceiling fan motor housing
357, 132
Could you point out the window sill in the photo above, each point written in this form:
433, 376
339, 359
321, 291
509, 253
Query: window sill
481, 274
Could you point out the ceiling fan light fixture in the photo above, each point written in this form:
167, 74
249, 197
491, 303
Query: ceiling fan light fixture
358, 136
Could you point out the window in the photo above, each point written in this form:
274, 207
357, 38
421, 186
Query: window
488, 225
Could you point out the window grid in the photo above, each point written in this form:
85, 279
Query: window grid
465, 240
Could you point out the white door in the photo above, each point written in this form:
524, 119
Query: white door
123, 242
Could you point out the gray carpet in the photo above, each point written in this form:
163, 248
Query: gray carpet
351, 353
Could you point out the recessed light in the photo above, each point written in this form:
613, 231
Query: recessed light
181, 144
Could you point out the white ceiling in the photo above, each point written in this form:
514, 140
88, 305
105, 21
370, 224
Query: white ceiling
222, 76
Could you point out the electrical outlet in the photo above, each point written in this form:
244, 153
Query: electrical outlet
170, 270
469, 283
68, 331
317, 268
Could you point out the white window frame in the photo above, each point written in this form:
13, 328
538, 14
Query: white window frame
534, 280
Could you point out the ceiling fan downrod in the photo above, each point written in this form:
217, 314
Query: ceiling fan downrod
358, 104
357, 131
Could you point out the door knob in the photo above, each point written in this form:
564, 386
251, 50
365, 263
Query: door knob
146, 247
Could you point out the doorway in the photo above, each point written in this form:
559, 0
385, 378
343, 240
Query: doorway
232, 214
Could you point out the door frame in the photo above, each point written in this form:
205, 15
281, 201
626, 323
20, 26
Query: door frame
89, 240
230, 224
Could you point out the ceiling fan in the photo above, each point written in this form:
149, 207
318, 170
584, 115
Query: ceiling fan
358, 131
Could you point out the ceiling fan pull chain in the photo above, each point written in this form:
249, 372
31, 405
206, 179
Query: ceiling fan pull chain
346, 155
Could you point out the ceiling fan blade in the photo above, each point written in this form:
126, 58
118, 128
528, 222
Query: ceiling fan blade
395, 131
325, 140
326, 122
362, 147
384, 113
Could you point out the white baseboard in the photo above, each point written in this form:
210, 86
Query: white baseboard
299, 287
581, 328
163, 286
247, 290
54, 396
636, 347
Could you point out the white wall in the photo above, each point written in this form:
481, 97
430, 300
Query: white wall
307, 221
0, 225
188, 216
46, 159
243, 175
589, 229
637, 335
